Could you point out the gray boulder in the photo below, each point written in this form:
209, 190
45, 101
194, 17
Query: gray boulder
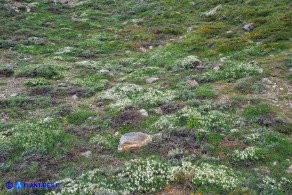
134, 140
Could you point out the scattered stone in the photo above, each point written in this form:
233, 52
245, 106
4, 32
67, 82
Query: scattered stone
248, 27
104, 71
212, 11
150, 47
216, 67
223, 59
87, 154
62, 85
234, 130
193, 83
158, 110
13, 95
151, 80
117, 134
200, 67
31, 7
289, 170
267, 81
143, 112
142, 49
75, 97
134, 140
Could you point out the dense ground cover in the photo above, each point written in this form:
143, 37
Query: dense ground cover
73, 77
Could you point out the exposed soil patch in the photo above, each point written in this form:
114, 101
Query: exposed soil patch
177, 139
170, 108
129, 116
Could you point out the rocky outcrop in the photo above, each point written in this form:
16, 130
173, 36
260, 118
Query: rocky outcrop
134, 140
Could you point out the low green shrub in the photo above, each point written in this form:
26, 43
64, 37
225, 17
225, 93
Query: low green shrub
6, 71
36, 82
254, 111
205, 92
44, 70
249, 85
77, 118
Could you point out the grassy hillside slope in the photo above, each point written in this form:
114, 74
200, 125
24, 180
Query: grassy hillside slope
74, 77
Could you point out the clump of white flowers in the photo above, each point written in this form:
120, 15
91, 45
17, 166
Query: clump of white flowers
268, 182
88, 82
206, 174
174, 152
153, 96
38, 134
37, 82
197, 119
166, 121
91, 182
188, 62
233, 70
252, 137
127, 94
95, 80
65, 50
103, 141
143, 73
250, 153
145, 175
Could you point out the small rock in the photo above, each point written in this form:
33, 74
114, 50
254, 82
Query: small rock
223, 59
75, 97
104, 71
151, 47
193, 83
117, 134
267, 81
62, 85
158, 110
87, 154
289, 170
143, 112
216, 67
213, 11
142, 49
13, 95
200, 67
151, 80
248, 27
134, 140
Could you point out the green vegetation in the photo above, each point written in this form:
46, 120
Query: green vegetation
211, 79
79, 117
205, 91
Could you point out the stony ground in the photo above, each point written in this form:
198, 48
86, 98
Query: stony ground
207, 82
